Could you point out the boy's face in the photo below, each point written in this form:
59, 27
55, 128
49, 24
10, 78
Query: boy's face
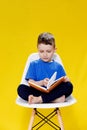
46, 52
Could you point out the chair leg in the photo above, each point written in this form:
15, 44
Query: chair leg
58, 115
32, 119
60, 119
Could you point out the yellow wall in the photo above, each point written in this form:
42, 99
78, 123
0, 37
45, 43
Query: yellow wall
20, 23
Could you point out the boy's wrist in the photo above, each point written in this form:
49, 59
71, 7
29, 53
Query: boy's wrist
41, 82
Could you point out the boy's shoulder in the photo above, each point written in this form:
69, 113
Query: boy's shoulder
35, 61
57, 63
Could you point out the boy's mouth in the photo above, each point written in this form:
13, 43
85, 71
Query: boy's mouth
45, 58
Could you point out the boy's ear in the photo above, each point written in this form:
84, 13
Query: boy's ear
55, 49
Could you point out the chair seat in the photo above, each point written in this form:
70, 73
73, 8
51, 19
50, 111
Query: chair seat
69, 101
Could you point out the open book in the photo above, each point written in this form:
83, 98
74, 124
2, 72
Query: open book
52, 83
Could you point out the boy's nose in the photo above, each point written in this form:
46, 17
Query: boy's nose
45, 54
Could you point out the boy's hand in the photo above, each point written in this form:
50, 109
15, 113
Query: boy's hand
66, 79
41, 82
45, 81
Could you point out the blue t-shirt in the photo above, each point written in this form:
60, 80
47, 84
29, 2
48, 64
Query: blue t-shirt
38, 70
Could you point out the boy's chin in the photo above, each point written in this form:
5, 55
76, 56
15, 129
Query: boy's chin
46, 60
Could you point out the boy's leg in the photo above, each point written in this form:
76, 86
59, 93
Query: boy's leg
64, 89
24, 91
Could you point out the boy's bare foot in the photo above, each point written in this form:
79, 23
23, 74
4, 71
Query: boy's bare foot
33, 100
58, 100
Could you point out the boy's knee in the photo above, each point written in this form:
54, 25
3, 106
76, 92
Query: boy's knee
69, 87
20, 89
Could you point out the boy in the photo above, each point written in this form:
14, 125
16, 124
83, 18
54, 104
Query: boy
41, 70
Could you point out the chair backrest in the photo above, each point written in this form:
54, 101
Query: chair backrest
35, 56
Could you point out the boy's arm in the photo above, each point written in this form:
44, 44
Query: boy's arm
41, 82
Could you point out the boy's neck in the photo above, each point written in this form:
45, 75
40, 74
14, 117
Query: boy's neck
47, 61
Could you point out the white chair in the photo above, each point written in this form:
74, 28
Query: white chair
44, 119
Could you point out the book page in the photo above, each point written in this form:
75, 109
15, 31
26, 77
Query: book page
51, 80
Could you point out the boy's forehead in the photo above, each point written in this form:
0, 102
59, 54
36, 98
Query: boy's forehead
45, 47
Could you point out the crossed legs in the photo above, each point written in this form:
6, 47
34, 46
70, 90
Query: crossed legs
33, 99
34, 96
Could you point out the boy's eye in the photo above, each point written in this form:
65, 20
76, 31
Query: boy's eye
41, 51
48, 51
